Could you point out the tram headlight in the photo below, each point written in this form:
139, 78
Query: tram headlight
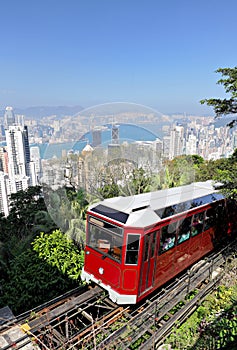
101, 270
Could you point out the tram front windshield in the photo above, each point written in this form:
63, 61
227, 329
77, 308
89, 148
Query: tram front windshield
105, 237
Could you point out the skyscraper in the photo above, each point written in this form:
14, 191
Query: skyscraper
35, 158
115, 134
96, 137
166, 147
17, 171
3, 160
18, 150
191, 144
9, 117
176, 141
4, 192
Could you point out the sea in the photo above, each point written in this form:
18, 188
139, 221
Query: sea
127, 133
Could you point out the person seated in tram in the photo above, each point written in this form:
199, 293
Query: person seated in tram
169, 243
196, 225
183, 237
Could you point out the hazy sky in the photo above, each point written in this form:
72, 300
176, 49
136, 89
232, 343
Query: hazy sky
162, 54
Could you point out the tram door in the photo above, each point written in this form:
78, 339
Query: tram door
148, 263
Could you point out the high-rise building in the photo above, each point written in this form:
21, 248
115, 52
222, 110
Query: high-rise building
234, 140
19, 183
18, 157
166, 146
18, 150
191, 144
159, 147
4, 192
115, 134
9, 117
96, 137
35, 157
176, 141
16, 170
3, 160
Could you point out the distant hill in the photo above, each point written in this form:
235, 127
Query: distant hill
45, 111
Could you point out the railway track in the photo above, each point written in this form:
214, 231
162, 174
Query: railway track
150, 324
147, 328
90, 320
61, 323
46, 306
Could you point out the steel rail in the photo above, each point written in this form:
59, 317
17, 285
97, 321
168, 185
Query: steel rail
45, 306
47, 317
152, 316
88, 320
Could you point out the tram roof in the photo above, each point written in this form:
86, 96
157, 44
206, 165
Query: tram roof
159, 204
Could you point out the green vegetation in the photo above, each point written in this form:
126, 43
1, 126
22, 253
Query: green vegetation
49, 269
222, 107
37, 261
179, 171
60, 252
27, 217
214, 324
31, 281
225, 106
215, 321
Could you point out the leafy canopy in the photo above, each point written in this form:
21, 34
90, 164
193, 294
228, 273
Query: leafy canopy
225, 106
50, 268
60, 252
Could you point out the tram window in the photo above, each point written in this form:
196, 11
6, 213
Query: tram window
221, 212
167, 240
104, 240
197, 224
209, 219
184, 229
132, 249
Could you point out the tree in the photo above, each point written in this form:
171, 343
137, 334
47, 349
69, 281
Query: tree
228, 176
32, 281
181, 170
50, 268
139, 181
110, 190
23, 207
225, 106
23, 223
210, 169
79, 202
59, 251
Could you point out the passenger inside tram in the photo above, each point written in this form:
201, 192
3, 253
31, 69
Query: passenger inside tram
168, 243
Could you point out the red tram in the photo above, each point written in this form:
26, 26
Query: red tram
135, 244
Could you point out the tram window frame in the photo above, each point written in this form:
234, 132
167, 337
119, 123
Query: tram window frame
197, 223
105, 238
221, 212
154, 243
184, 230
146, 248
151, 245
169, 242
132, 249
209, 221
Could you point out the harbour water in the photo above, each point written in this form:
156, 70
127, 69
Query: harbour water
127, 132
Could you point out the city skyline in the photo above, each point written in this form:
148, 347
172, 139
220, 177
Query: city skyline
27, 160
160, 54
